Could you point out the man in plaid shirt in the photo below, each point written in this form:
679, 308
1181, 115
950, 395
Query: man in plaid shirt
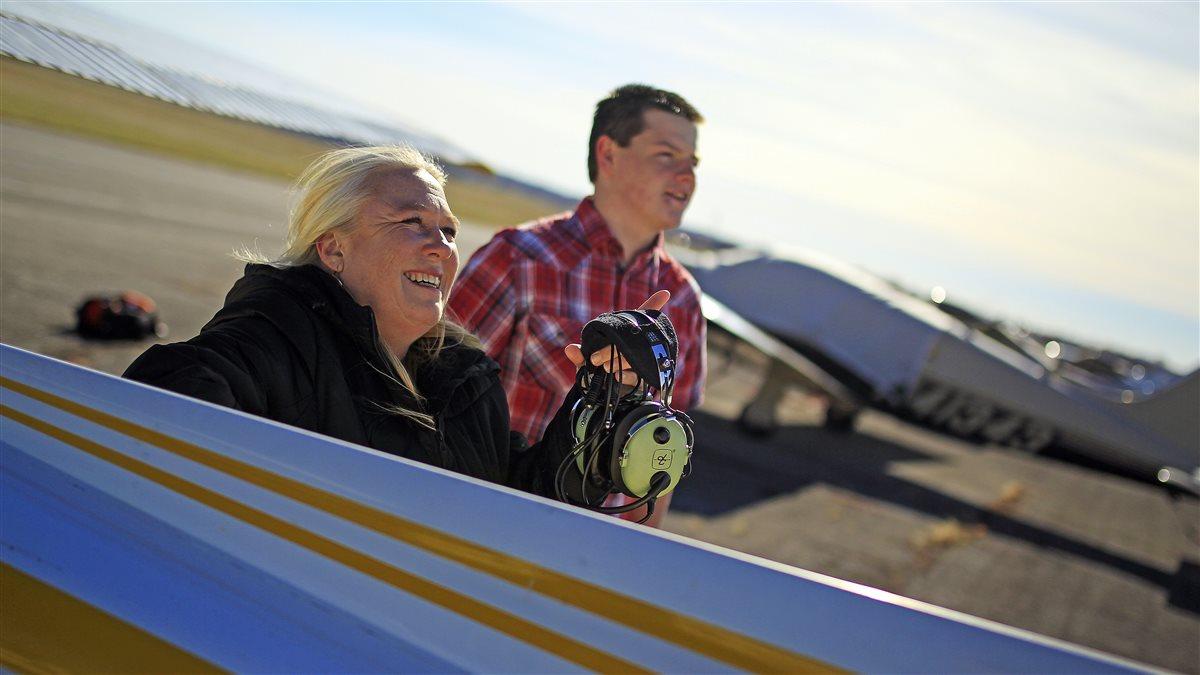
530, 290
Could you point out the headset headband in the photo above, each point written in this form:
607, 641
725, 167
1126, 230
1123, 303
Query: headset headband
645, 338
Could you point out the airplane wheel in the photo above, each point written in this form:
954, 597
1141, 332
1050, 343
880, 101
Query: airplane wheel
752, 425
840, 419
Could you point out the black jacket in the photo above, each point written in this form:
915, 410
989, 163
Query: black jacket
292, 345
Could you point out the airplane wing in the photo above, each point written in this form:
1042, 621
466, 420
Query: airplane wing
144, 529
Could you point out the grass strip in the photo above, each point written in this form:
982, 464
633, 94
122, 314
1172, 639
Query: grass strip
52, 99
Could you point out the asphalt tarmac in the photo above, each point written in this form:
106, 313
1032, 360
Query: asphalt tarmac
1028, 541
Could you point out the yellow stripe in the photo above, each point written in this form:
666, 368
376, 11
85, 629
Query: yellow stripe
721, 644
555, 643
44, 630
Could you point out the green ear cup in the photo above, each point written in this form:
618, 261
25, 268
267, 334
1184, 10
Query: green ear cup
583, 416
648, 441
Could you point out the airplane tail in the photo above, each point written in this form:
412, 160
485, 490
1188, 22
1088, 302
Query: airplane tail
1174, 413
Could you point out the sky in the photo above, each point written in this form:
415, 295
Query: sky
1039, 161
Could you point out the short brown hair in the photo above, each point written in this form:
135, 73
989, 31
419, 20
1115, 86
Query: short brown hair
619, 115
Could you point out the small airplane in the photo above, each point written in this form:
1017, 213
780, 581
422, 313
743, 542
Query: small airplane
833, 328
143, 530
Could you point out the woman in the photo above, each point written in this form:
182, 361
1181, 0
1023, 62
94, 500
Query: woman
345, 333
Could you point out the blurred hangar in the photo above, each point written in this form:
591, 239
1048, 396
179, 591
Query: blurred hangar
30, 41
52, 47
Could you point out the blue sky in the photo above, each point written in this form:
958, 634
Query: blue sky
1038, 160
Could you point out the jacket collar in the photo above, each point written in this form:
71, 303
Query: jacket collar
317, 290
443, 381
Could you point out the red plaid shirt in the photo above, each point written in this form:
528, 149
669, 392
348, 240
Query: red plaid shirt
528, 292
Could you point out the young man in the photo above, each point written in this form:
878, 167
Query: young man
531, 289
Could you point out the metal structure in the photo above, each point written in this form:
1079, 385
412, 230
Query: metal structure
50, 47
141, 530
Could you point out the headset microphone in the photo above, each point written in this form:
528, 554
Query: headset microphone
628, 439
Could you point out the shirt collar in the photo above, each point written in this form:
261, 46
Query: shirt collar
600, 239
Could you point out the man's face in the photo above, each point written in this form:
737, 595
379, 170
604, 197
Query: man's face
655, 175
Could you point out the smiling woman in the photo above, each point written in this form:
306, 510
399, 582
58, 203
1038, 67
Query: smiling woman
345, 334
367, 217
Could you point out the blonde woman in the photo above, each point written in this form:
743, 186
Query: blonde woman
345, 333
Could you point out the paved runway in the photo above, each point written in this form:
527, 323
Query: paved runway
1027, 541
81, 217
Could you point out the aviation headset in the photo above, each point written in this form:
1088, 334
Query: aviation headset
628, 439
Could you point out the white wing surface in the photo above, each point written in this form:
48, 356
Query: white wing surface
144, 530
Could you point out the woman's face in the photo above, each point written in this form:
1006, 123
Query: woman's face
399, 256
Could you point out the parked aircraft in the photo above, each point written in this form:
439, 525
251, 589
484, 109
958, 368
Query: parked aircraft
944, 367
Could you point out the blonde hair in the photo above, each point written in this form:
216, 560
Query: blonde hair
327, 196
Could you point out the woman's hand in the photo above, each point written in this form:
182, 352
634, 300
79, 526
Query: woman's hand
604, 357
